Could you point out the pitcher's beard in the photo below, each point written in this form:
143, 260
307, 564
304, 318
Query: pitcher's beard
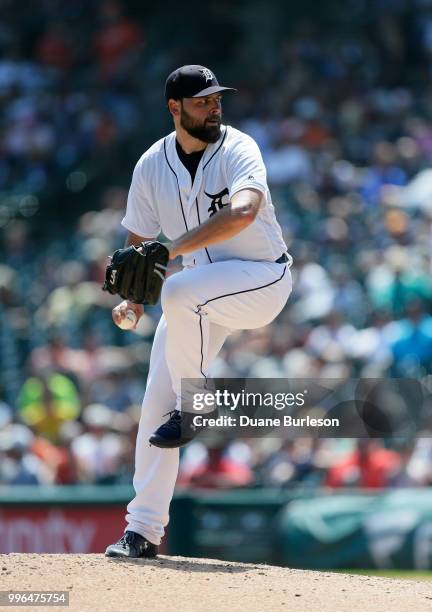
204, 132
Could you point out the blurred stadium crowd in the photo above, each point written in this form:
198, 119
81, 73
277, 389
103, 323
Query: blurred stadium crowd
343, 118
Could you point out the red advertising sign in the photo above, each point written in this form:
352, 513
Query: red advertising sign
59, 529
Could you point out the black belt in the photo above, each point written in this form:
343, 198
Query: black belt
282, 259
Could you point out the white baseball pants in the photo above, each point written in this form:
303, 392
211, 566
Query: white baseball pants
201, 307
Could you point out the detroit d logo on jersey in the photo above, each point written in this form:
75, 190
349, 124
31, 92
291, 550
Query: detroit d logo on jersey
216, 201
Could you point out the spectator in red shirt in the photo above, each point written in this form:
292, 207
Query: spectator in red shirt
218, 471
55, 47
118, 40
369, 466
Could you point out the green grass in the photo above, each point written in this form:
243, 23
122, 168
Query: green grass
402, 574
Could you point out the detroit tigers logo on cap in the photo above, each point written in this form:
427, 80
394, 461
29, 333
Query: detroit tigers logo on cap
207, 74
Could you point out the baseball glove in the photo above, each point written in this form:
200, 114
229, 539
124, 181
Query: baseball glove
137, 273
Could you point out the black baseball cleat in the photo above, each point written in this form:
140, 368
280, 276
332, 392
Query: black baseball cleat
132, 546
176, 432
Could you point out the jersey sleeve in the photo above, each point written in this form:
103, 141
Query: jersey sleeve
140, 217
245, 167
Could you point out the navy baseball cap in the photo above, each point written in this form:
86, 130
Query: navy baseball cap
192, 81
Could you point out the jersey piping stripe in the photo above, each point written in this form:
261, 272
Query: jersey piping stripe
243, 291
199, 221
178, 185
204, 166
222, 141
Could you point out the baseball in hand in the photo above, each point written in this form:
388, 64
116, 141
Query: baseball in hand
129, 320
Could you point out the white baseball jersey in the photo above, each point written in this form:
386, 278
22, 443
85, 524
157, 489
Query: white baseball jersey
162, 197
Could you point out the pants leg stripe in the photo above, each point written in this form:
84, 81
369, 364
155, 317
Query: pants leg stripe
202, 347
198, 310
218, 297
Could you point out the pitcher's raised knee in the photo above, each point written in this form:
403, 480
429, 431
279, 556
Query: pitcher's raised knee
176, 293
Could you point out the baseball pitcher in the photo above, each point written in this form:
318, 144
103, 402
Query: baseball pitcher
204, 186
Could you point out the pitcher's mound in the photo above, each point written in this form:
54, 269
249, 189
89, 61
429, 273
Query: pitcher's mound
96, 583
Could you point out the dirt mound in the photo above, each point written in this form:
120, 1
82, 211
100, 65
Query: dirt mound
177, 583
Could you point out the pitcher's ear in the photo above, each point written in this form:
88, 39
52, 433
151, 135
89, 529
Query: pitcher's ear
174, 107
